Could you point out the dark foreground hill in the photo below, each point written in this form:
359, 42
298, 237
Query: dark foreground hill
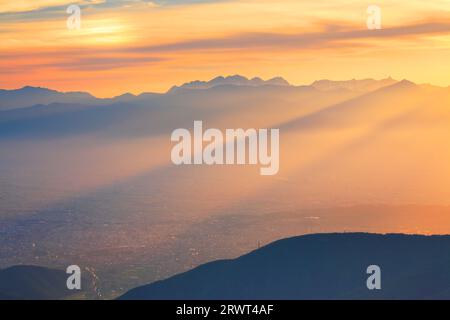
35, 283
319, 266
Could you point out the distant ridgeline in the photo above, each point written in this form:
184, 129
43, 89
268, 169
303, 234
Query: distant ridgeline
319, 266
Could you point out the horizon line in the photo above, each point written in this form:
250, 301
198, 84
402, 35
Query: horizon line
225, 77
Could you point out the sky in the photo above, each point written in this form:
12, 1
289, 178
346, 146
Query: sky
148, 46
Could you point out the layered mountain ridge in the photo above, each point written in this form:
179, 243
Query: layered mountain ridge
29, 96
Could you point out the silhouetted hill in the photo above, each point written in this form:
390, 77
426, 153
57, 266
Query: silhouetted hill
364, 85
152, 113
30, 96
235, 80
34, 283
319, 266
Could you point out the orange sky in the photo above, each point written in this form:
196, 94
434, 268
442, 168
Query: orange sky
140, 46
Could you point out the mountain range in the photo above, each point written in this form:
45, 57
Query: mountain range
95, 180
364, 85
318, 266
29, 96
395, 131
235, 80
324, 266
40, 111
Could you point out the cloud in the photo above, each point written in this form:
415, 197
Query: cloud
181, 2
301, 40
97, 63
105, 63
18, 7
41, 9
97, 58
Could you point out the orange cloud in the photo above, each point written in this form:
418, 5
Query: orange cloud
139, 43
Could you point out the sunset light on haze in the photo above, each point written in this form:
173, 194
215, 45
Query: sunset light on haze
148, 46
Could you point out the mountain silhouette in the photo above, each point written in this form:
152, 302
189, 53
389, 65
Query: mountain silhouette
319, 266
33, 283
33, 96
325, 133
340, 146
364, 85
30, 96
235, 97
235, 80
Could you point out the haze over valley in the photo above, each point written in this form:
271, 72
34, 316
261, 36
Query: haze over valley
89, 181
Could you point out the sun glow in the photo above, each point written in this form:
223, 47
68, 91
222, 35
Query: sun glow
299, 40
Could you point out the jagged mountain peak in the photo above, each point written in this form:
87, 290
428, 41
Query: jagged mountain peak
362, 85
236, 80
